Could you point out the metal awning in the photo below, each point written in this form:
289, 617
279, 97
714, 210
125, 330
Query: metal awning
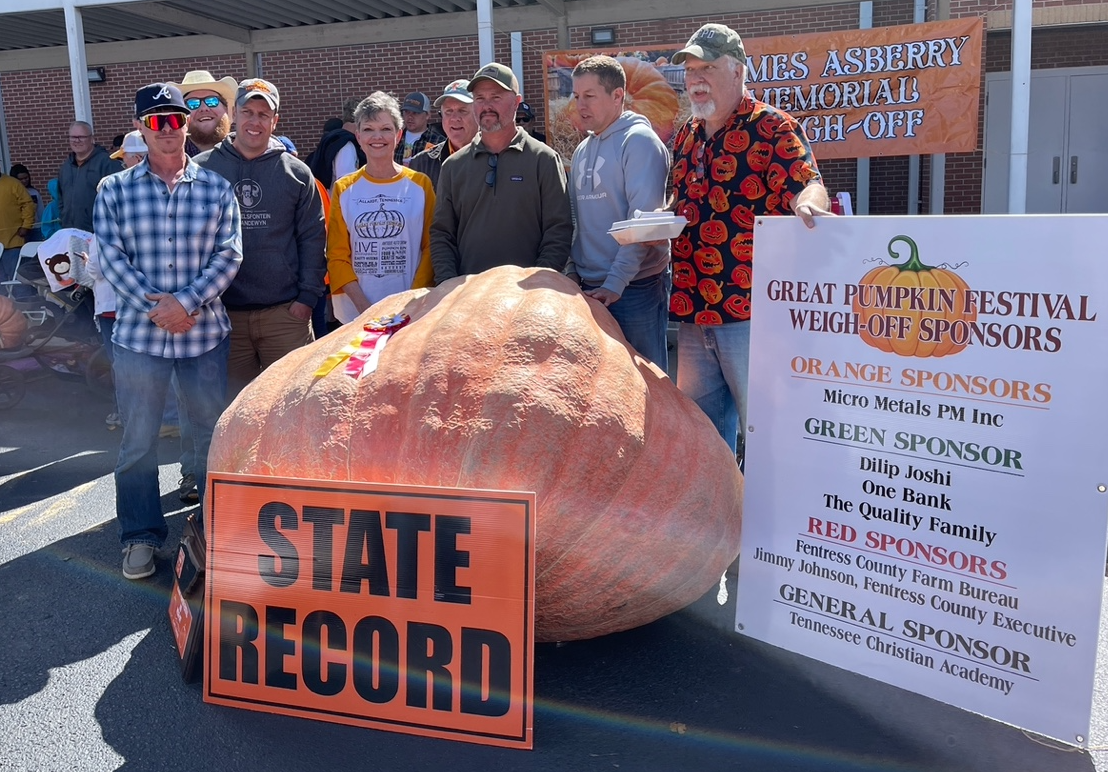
42, 24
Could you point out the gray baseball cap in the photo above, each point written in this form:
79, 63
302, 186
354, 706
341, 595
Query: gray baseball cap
710, 43
459, 90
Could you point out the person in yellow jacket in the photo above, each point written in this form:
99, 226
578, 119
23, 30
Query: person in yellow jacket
17, 218
378, 230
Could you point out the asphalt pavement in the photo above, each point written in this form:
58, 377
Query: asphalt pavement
89, 677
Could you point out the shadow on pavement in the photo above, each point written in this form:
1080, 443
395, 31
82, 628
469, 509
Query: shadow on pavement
682, 693
84, 451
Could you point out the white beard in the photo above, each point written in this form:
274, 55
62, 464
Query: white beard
703, 110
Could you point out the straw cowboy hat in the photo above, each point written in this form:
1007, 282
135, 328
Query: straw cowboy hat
202, 80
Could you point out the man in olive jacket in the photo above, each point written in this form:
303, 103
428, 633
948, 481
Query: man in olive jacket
501, 200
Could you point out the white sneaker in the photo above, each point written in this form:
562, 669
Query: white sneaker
113, 421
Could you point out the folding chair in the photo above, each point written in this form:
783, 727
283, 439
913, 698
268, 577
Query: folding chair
28, 250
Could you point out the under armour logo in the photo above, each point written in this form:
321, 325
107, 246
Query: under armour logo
163, 93
593, 174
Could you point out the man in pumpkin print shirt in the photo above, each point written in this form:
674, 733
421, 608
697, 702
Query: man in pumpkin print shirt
736, 159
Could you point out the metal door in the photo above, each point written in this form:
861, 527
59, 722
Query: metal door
1067, 168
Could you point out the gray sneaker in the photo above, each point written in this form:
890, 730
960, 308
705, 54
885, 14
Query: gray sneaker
138, 561
187, 491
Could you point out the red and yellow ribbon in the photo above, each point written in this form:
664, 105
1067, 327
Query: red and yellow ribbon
362, 354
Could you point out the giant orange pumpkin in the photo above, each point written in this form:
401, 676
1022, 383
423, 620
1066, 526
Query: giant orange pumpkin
13, 325
881, 307
513, 380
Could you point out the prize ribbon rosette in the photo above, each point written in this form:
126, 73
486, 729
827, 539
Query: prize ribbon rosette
359, 357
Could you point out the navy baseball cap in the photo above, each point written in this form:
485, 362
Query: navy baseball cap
159, 98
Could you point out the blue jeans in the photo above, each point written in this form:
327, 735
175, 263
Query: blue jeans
141, 384
173, 415
643, 313
713, 369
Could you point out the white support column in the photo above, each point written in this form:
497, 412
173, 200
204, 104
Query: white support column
484, 32
517, 59
78, 65
938, 160
919, 16
938, 183
861, 202
1021, 106
5, 149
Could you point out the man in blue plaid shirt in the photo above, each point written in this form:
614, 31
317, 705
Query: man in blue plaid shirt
170, 241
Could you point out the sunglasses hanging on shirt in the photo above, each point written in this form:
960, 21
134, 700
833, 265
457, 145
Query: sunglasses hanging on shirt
158, 121
490, 175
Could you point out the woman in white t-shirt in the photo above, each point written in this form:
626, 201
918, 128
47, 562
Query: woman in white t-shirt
378, 233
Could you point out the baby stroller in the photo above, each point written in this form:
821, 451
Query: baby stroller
60, 339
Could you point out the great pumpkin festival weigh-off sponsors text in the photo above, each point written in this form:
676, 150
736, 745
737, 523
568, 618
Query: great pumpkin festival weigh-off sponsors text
927, 489
403, 608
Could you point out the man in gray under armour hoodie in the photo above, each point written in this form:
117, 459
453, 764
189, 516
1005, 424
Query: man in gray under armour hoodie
620, 166
284, 237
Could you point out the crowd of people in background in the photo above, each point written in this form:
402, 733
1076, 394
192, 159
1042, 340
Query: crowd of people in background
223, 250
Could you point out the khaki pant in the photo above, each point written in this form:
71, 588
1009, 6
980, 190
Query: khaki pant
258, 339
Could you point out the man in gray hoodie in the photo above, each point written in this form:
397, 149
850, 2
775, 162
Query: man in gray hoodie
620, 166
284, 238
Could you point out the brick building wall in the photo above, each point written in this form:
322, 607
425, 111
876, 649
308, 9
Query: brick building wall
38, 129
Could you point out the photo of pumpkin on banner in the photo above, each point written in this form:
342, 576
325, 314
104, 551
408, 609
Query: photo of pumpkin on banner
913, 89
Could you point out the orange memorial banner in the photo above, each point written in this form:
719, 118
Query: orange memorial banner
906, 90
409, 609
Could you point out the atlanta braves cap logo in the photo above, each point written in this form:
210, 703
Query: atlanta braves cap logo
161, 97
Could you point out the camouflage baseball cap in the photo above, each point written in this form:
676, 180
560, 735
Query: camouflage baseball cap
710, 43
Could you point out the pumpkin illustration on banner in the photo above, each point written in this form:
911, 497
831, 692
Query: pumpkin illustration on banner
648, 93
889, 317
513, 379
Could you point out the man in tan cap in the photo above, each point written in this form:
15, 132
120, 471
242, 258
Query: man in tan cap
501, 200
270, 301
759, 160
208, 99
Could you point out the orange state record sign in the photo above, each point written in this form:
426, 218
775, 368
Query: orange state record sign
409, 609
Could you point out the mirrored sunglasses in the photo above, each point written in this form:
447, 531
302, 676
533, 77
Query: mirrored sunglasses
158, 121
193, 103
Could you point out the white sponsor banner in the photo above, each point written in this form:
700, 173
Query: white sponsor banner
927, 456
